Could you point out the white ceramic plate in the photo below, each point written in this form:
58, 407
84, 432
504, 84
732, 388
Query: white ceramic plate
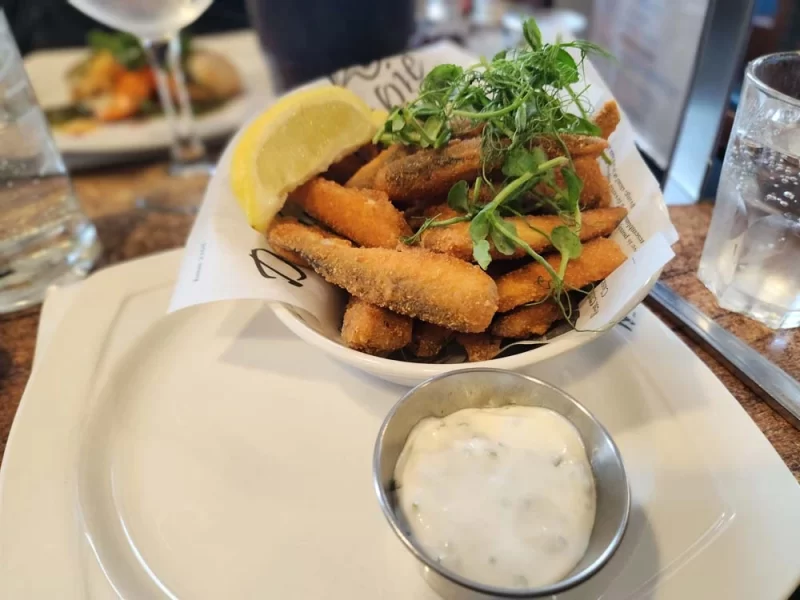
213, 454
121, 141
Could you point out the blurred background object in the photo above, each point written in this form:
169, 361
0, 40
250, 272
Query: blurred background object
227, 82
44, 24
654, 44
678, 70
497, 24
718, 59
306, 39
44, 237
155, 26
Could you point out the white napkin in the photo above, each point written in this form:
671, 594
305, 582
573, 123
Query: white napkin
56, 303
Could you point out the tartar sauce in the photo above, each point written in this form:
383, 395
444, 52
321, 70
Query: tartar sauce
502, 496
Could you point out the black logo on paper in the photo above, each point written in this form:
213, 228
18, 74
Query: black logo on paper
629, 322
267, 263
403, 75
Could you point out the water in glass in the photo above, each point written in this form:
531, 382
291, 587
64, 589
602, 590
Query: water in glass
44, 237
751, 259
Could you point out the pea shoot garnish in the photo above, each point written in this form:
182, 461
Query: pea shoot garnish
517, 100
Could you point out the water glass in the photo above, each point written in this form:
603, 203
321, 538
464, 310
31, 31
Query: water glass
44, 237
751, 258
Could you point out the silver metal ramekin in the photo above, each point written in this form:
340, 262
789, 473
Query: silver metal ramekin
480, 388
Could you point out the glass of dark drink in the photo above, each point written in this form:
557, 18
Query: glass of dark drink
307, 39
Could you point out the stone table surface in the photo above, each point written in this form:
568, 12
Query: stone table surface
109, 198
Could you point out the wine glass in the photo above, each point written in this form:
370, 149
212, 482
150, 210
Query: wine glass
156, 23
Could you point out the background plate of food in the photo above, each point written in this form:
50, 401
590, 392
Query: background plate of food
485, 217
101, 100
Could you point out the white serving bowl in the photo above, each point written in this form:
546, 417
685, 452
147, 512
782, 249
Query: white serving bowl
412, 373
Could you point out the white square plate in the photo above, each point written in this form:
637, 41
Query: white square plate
211, 454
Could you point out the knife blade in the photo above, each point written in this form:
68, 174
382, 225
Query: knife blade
771, 383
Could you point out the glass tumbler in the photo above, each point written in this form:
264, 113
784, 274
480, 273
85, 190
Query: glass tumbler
306, 39
751, 258
44, 237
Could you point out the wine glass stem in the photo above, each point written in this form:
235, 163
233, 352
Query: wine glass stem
165, 60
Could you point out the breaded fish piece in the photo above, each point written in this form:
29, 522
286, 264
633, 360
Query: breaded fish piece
577, 145
531, 283
607, 118
292, 257
365, 176
526, 321
363, 216
429, 174
433, 287
295, 258
373, 329
456, 241
345, 168
465, 128
479, 346
427, 339
596, 191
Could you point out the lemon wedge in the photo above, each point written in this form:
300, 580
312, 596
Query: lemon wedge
298, 137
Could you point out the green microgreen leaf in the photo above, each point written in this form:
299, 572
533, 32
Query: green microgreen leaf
585, 126
441, 78
457, 197
532, 33
503, 233
433, 126
566, 242
413, 239
574, 187
518, 162
517, 96
432, 222
476, 191
479, 227
125, 47
397, 122
521, 117
568, 67
539, 155
480, 251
